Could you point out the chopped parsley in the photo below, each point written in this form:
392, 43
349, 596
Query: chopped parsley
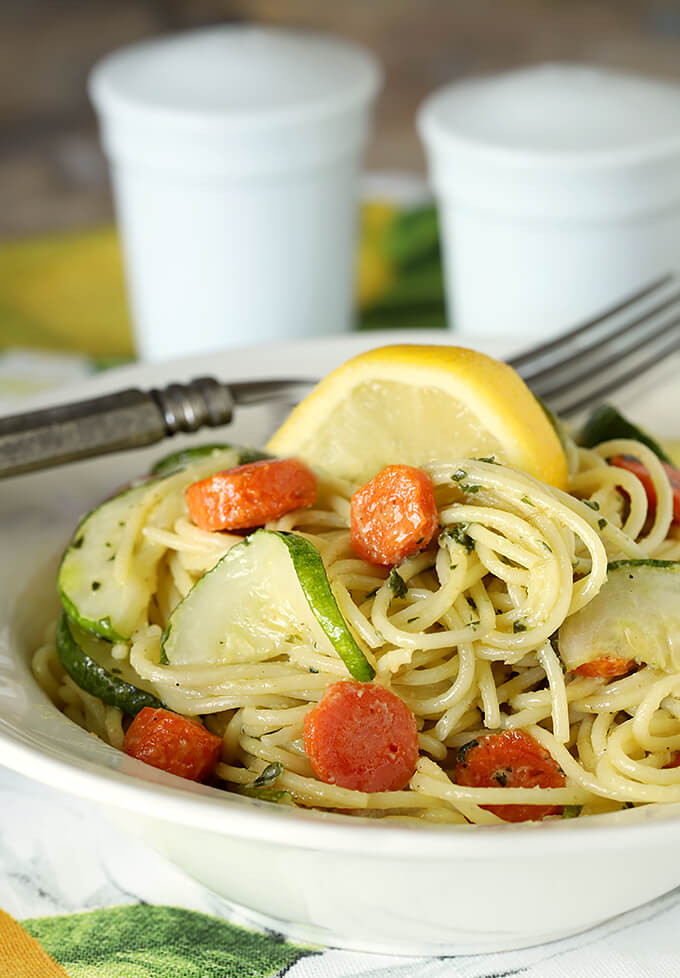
518, 626
397, 583
571, 811
269, 775
459, 475
96, 585
463, 751
458, 532
592, 504
276, 795
602, 523
528, 502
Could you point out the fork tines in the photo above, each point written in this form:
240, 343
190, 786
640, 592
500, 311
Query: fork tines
578, 368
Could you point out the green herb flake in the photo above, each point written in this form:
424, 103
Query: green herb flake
592, 504
372, 594
601, 523
491, 459
527, 502
397, 583
269, 775
464, 750
469, 489
571, 811
458, 533
518, 626
501, 777
276, 795
459, 475
546, 546
96, 585
409, 621
312, 669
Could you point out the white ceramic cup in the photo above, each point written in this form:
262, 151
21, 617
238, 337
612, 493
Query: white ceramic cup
559, 193
234, 155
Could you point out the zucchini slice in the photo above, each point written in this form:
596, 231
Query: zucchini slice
636, 615
100, 595
606, 423
89, 663
263, 591
179, 460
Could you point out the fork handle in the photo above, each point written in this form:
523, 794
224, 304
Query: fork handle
111, 423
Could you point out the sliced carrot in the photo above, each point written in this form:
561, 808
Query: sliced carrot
394, 515
172, 743
637, 468
510, 759
249, 495
607, 666
361, 736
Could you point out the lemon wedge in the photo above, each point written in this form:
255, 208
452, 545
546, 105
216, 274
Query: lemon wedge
413, 404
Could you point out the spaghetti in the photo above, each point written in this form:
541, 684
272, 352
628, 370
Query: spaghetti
467, 641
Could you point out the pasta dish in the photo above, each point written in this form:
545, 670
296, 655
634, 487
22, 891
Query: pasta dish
453, 642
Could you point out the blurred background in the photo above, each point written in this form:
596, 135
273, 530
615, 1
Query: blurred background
53, 177
61, 283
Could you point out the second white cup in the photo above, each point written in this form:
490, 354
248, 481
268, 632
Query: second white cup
234, 155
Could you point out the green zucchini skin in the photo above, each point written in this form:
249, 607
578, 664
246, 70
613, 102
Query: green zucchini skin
86, 582
236, 596
87, 563
606, 423
179, 460
94, 678
311, 574
635, 615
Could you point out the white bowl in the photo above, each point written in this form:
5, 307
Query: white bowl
320, 878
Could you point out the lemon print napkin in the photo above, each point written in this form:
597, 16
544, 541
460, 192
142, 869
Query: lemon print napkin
140, 942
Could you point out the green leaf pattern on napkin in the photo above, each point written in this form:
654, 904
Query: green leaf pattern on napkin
160, 942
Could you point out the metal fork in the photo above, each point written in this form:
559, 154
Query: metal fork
578, 368
569, 373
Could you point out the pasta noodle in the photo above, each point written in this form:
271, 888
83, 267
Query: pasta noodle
468, 646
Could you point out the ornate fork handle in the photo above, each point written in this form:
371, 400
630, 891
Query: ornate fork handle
127, 419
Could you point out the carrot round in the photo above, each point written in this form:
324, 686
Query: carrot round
361, 736
637, 468
394, 515
172, 743
248, 495
510, 759
607, 667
